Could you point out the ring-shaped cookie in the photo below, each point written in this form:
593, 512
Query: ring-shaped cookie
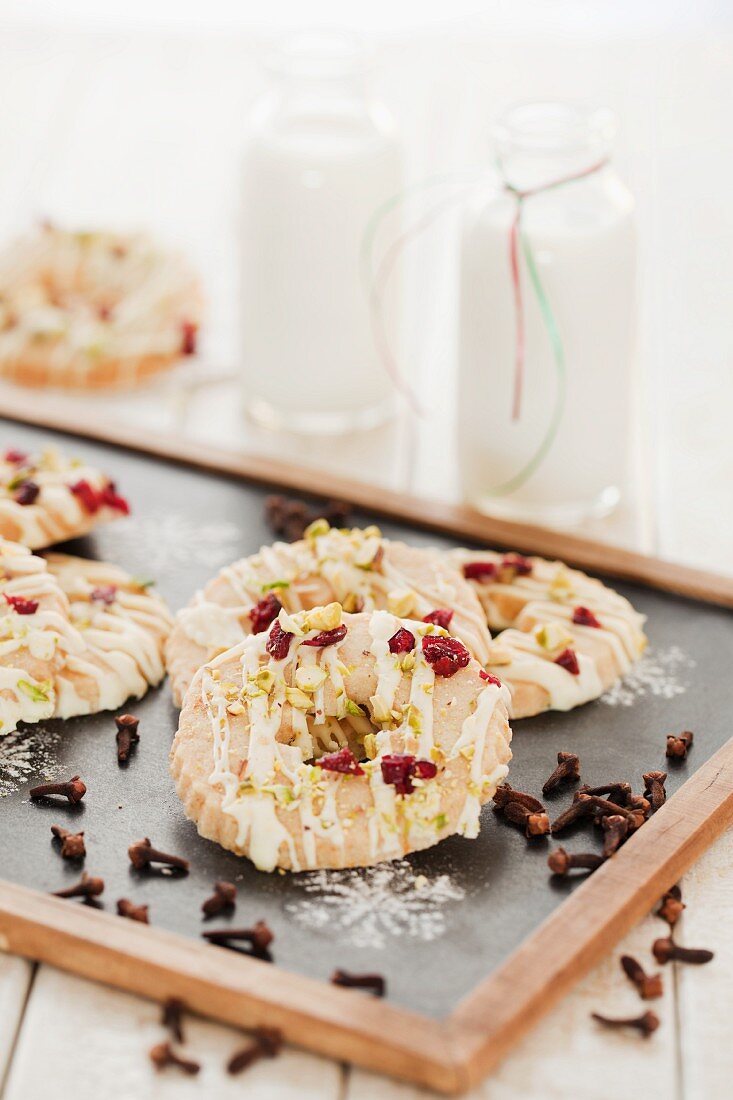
339, 740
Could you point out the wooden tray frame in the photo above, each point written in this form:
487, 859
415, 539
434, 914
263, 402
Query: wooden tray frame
450, 1054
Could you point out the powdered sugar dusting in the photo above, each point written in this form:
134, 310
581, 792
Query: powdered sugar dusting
659, 673
369, 906
26, 754
158, 543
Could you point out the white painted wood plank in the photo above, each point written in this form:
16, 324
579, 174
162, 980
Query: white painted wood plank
568, 1054
15, 978
70, 1021
706, 992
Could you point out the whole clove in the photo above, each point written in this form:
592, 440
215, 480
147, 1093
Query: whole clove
618, 792
616, 829
560, 861
127, 908
654, 789
172, 1017
671, 906
72, 844
505, 794
567, 771
74, 789
576, 811
289, 517
678, 744
266, 1043
374, 983
142, 854
127, 736
163, 1055
224, 897
666, 949
648, 985
86, 887
534, 824
646, 1024
259, 937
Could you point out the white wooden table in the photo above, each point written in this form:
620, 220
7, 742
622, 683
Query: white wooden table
134, 129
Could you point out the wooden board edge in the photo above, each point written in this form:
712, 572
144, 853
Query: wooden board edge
442, 517
491, 1019
343, 1025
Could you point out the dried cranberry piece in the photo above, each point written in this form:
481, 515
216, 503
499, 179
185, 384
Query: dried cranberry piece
399, 768
489, 677
264, 612
189, 334
327, 637
105, 593
112, 499
21, 605
446, 655
425, 769
278, 642
342, 761
402, 642
569, 661
440, 617
479, 570
583, 616
521, 565
27, 492
15, 457
87, 494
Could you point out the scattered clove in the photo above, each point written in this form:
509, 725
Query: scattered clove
86, 887
142, 854
163, 1055
666, 949
72, 844
74, 789
224, 897
172, 1017
259, 937
266, 1043
534, 824
672, 906
618, 792
560, 861
127, 908
616, 829
127, 736
575, 812
375, 983
289, 517
648, 985
654, 789
678, 744
505, 794
646, 1024
567, 771
603, 807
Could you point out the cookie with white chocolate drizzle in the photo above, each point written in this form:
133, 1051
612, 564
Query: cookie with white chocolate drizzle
47, 498
36, 637
123, 628
565, 637
359, 569
93, 309
337, 740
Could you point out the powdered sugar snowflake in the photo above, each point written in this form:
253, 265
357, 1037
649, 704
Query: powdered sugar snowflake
153, 544
25, 754
657, 673
367, 906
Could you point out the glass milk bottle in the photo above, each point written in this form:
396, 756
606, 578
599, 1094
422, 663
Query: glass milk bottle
321, 160
547, 311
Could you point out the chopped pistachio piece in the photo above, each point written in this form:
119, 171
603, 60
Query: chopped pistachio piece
317, 528
289, 625
370, 746
298, 698
552, 636
354, 709
401, 602
325, 618
38, 693
265, 679
310, 677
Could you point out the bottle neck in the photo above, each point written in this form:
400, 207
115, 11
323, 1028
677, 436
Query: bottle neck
540, 144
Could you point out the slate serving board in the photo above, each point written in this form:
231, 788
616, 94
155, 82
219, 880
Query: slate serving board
186, 524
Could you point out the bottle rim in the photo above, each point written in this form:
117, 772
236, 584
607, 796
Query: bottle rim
550, 128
